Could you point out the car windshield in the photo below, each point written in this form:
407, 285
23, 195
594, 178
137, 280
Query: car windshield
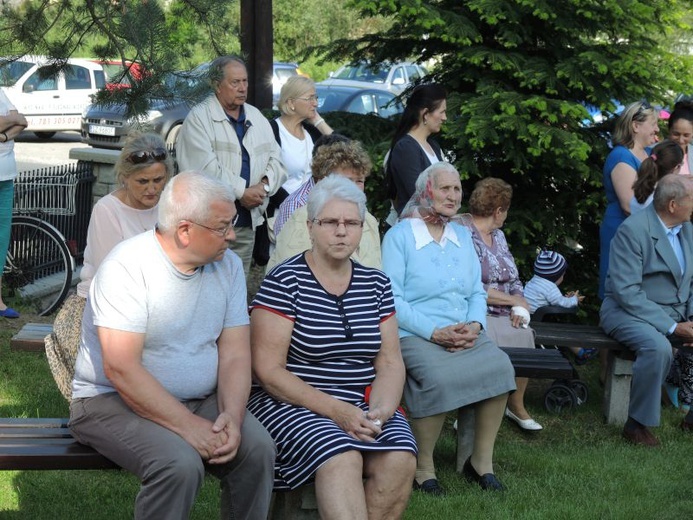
362, 72
12, 71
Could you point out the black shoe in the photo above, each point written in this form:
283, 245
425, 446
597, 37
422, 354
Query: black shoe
429, 486
487, 481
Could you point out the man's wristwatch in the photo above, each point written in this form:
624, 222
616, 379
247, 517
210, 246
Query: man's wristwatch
266, 187
481, 327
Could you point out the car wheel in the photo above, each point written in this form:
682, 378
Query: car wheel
44, 135
172, 136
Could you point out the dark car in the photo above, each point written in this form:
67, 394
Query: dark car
107, 126
357, 100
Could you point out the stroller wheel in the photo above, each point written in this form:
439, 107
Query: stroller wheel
581, 391
560, 398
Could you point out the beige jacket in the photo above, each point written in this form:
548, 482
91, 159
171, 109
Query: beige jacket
294, 239
207, 142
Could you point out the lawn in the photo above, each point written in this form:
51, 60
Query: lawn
578, 467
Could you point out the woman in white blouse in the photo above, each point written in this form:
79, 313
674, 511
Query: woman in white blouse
143, 168
296, 130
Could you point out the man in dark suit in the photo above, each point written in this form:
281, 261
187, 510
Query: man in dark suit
649, 296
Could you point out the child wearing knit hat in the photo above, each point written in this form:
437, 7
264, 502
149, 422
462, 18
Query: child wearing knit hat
542, 289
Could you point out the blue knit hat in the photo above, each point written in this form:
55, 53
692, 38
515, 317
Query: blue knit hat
550, 265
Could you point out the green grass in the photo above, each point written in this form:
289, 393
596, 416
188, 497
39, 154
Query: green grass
577, 468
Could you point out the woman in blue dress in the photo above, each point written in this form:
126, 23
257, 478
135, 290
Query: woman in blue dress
636, 130
326, 356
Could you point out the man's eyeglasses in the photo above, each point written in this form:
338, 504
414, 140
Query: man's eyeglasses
143, 156
332, 224
222, 232
309, 99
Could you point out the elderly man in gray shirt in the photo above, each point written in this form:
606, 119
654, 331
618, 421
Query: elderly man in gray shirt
163, 371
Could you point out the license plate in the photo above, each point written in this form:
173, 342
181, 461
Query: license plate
102, 130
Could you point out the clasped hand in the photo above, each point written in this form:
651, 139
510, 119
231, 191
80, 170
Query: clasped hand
361, 426
218, 442
458, 336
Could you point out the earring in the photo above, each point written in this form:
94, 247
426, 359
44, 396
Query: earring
425, 122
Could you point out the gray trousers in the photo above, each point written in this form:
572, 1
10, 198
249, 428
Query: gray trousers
170, 470
243, 246
652, 363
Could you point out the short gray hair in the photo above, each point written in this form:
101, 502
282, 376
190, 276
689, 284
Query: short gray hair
216, 69
332, 187
294, 87
188, 196
670, 187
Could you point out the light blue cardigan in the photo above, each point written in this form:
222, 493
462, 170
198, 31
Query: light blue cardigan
434, 286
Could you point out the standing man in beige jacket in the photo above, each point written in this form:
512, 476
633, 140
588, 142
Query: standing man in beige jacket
232, 141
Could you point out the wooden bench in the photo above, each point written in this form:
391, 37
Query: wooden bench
30, 337
45, 444
619, 364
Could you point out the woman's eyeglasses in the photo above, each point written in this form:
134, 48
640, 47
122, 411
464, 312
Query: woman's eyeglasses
309, 99
332, 223
143, 156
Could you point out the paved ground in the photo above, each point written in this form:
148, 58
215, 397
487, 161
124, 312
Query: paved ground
32, 153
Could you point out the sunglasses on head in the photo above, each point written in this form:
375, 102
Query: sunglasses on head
643, 106
156, 155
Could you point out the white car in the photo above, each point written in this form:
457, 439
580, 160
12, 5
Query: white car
393, 77
50, 102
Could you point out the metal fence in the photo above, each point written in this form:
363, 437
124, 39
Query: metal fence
60, 195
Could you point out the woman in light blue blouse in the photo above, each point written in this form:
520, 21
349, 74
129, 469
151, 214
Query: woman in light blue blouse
441, 311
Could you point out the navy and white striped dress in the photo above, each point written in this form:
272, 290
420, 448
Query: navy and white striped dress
333, 345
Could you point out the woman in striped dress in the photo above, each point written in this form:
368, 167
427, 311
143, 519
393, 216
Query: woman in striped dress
326, 355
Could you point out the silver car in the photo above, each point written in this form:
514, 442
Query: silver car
393, 77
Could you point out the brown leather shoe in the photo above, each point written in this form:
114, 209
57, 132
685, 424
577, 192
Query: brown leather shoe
640, 436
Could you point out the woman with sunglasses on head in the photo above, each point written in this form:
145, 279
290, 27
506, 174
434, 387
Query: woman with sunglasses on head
328, 368
636, 130
681, 131
142, 170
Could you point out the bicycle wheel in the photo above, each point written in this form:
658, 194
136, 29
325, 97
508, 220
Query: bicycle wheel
39, 265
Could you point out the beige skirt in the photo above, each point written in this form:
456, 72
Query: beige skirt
63, 343
501, 331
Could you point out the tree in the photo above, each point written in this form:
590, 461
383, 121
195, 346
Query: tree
164, 36
519, 73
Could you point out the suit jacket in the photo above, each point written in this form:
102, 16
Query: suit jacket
645, 282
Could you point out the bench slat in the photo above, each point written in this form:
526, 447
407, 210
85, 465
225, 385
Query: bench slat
31, 422
569, 335
73, 456
34, 433
540, 363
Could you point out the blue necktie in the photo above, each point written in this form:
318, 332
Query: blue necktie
672, 235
